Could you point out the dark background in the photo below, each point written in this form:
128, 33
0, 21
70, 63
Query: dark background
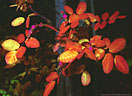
113, 83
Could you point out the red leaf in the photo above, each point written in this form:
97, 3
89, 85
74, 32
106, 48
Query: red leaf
27, 22
20, 52
111, 21
117, 45
107, 63
121, 17
92, 17
46, 25
121, 64
27, 33
103, 24
115, 14
68, 9
107, 42
20, 38
99, 53
105, 16
75, 24
97, 18
49, 87
96, 26
52, 76
83, 16
80, 55
85, 78
32, 43
56, 47
81, 8
99, 43
63, 24
90, 54
61, 32
73, 18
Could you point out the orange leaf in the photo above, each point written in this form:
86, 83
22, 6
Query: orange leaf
10, 45
18, 21
73, 18
90, 54
20, 52
121, 64
9, 66
103, 24
27, 33
83, 16
20, 38
61, 32
92, 17
63, 24
56, 47
107, 42
52, 76
85, 78
96, 26
75, 24
107, 63
99, 53
27, 22
46, 25
32, 43
68, 9
81, 8
97, 18
11, 58
67, 56
49, 87
105, 16
117, 45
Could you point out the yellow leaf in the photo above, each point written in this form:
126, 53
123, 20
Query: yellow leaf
10, 45
17, 21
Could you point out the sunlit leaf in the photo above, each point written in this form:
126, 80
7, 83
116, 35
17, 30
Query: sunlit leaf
11, 58
32, 43
20, 52
117, 45
82, 41
27, 33
83, 16
17, 21
103, 24
63, 30
107, 42
32, 14
67, 56
68, 9
107, 63
56, 47
81, 8
99, 53
85, 78
20, 38
52, 76
73, 18
121, 64
105, 16
49, 87
63, 24
96, 26
90, 54
27, 22
97, 18
92, 17
75, 24
10, 45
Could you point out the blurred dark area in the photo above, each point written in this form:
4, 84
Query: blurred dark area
113, 83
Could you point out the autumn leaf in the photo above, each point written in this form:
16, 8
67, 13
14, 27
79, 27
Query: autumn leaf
63, 24
79, 69
90, 54
20, 52
52, 76
49, 87
11, 58
105, 16
97, 18
75, 24
92, 17
117, 45
107, 42
68, 9
56, 47
17, 21
20, 38
96, 26
81, 8
121, 64
85, 78
10, 45
61, 32
27, 33
107, 63
32, 43
103, 24
83, 16
27, 22
99, 53
73, 18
